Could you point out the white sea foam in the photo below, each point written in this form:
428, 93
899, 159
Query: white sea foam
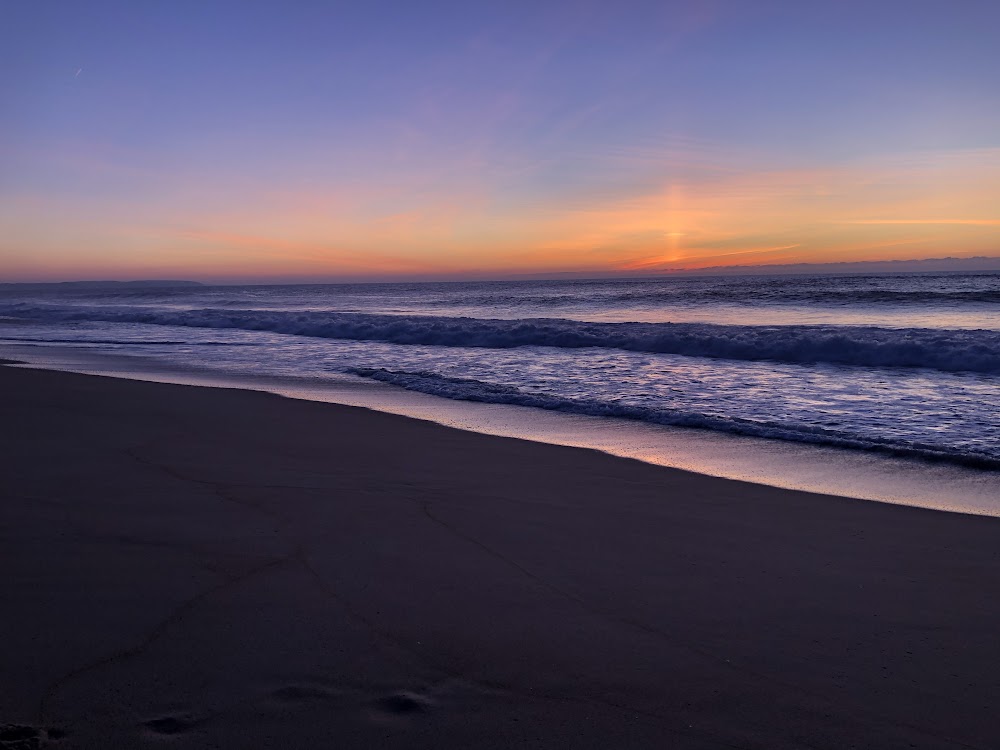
467, 389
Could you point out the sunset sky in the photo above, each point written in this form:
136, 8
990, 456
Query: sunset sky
290, 141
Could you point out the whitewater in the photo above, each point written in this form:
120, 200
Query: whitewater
907, 365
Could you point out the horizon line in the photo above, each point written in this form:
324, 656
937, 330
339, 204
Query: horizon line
992, 263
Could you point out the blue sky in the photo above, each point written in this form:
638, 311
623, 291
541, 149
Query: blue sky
307, 139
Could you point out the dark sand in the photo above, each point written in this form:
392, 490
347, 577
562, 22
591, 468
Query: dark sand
187, 567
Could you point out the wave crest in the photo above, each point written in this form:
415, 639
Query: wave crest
940, 349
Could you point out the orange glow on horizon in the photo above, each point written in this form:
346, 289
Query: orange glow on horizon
906, 207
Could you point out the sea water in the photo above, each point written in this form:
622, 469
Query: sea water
900, 367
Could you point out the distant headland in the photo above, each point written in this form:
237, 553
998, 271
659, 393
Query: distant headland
100, 284
925, 265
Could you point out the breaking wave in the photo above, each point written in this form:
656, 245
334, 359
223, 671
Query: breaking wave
464, 389
939, 349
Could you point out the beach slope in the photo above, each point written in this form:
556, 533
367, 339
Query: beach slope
222, 568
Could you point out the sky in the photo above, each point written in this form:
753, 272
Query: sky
296, 141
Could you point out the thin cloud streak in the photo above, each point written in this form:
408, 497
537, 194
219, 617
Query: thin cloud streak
969, 222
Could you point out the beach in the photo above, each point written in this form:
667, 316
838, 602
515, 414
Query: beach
223, 568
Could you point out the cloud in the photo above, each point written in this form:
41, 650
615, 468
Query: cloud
969, 222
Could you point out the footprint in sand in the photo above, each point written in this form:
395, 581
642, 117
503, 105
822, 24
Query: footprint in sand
403, 703
20, 737
168, 725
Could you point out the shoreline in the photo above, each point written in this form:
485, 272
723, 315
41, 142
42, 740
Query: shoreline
228, 567
871, 476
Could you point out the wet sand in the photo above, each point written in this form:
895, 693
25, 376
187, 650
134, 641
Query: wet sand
221, 568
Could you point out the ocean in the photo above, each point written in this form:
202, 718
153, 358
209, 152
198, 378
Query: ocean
902, 369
